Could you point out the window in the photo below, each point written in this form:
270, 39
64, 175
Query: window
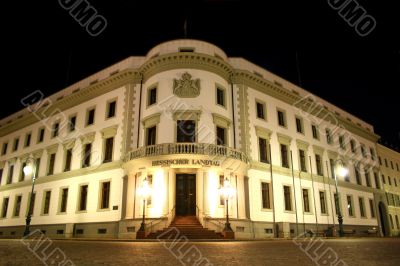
380, 160
90, 117
28, 140
262, 144
186, 50
288, 198
372, 151
284, 156
377, 185
314, 131
150, 180
389, 181
37, 167
1, 175
397, 166
395, 182
152, 96
322, 201
397, 221
363, 151
105, 195
328, 133
302, 155
281, 118
265, 193
10, 174
151, 134
64, 200
353, 146
108, 151
357, 174
391, 164
46, 205
111, 107
332, 164
221, 136
186, 131
86, 155
306, 200
31, 204
337, 203
55, 130
16, 144
391, 221
52, 160
260, 110
318, 163
41, 135
72, 123
362, 207
83, 197
220, 96
221, 184
4, 208
68, 160
367, 179
17, 207
4, 150
386, 163
299, 125
350, 206
383, 179
341, 142
372, 208
22, 174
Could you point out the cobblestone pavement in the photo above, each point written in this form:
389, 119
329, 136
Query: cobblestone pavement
271, 252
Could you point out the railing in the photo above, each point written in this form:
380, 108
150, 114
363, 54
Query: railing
167, 219
186, 148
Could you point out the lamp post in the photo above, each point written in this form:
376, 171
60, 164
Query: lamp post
28, 170
342, 171
144, 191
227, 191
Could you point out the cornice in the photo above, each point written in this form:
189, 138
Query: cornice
186, 60
83, 95
65, 175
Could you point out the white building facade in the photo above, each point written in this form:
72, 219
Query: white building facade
186, 117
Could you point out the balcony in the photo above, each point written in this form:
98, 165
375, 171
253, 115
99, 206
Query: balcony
186, 148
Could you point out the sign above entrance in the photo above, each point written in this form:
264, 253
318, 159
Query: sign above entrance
186, 162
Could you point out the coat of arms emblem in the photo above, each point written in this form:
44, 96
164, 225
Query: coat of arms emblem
186, 87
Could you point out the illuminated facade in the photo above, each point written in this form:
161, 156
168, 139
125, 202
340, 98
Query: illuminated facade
389, 161
185, 117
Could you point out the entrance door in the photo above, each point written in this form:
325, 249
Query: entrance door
382, 216
185, 194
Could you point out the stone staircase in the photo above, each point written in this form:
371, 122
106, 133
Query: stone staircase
187, 226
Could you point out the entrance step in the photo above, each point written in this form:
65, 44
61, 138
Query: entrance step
187, 226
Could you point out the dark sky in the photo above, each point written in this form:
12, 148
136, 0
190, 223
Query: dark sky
44, 48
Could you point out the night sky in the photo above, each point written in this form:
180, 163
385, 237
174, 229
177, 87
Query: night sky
44, 48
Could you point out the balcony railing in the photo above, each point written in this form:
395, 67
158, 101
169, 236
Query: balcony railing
186, 148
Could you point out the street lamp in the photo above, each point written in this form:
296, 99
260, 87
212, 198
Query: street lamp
342, 172
227, 191
30, 169
144, 192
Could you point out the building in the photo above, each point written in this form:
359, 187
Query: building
389, 161
185, 117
